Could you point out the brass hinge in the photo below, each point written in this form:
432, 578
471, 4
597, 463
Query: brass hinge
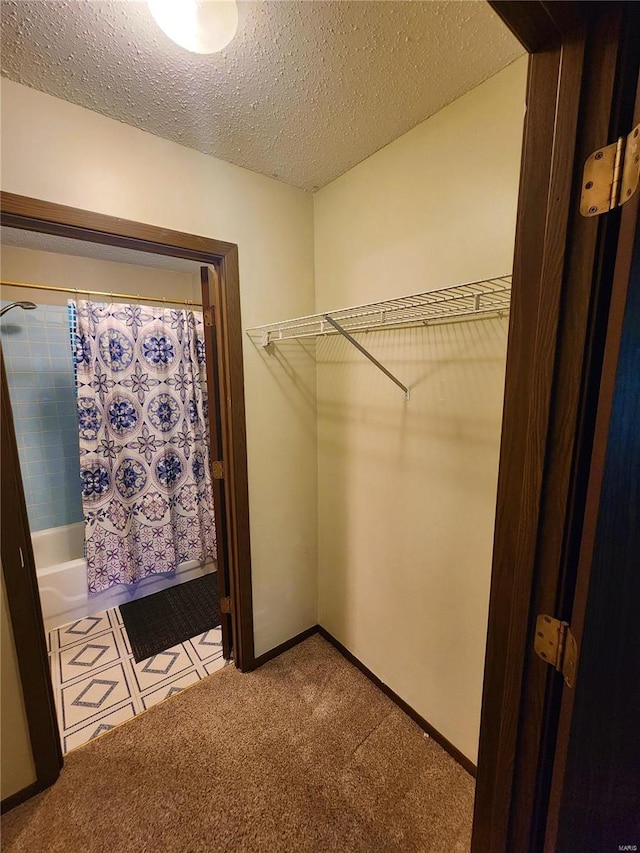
217, 470
209, 316
610, 175
555, 644
225, 604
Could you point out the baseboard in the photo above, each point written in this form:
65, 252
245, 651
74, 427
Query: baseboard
284, 647
415, 716
453, 751
21, 796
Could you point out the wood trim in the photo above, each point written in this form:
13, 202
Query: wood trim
217, 389
556, 370
453, 751
227, 299
33, 214
621, 277
580, 343
556, 283
519, 479
284, 647
47, 217
21, 796
539, 26
19, 569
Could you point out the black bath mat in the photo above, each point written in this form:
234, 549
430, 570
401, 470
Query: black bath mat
157, 622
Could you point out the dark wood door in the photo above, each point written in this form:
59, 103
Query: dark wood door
600, 800
218, 395
18, 566
581, 88
595, 798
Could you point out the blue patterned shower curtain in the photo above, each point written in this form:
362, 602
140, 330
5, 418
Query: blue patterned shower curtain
144, 442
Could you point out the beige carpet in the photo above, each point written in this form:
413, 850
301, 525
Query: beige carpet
303, 754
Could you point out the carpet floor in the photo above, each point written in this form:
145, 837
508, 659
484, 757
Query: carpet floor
305, 754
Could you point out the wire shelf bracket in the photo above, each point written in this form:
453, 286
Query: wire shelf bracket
474, 300
352, 340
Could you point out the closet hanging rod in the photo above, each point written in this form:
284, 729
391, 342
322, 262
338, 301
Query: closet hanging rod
111, 294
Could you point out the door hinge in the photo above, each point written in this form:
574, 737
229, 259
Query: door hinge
217, 470
225, 604
556, 645
209, 316
610, 175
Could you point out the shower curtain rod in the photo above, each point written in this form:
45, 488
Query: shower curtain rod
78, 292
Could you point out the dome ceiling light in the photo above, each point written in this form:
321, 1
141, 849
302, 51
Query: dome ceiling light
200, 26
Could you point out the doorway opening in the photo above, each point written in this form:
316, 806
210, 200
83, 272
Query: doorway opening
114, 376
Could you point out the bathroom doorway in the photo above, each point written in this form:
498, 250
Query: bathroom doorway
110, 618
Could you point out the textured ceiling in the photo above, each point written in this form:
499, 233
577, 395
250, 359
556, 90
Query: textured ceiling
304, 92
86, 249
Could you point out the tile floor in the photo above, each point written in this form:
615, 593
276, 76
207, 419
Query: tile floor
97, 684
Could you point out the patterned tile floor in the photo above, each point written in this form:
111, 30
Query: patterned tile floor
97, 684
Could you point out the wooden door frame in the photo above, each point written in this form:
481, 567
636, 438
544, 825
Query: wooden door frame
629, 223
217, 383
562, 274
25, 614
46, 217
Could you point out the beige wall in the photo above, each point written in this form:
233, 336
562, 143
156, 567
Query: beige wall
405, 496
62, 153
18, 769
407, 489
62, 270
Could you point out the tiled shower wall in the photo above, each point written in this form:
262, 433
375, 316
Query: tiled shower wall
42, 391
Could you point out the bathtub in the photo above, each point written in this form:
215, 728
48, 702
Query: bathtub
62, 578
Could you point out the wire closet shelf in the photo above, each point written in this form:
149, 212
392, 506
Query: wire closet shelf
462, 301
474, 300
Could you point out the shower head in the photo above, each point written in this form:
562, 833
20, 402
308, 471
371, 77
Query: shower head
28, 306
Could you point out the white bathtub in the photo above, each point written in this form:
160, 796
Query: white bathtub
62, 578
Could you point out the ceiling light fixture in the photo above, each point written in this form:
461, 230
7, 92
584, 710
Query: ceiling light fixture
201, 26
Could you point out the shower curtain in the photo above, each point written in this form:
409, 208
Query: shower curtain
144, 441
